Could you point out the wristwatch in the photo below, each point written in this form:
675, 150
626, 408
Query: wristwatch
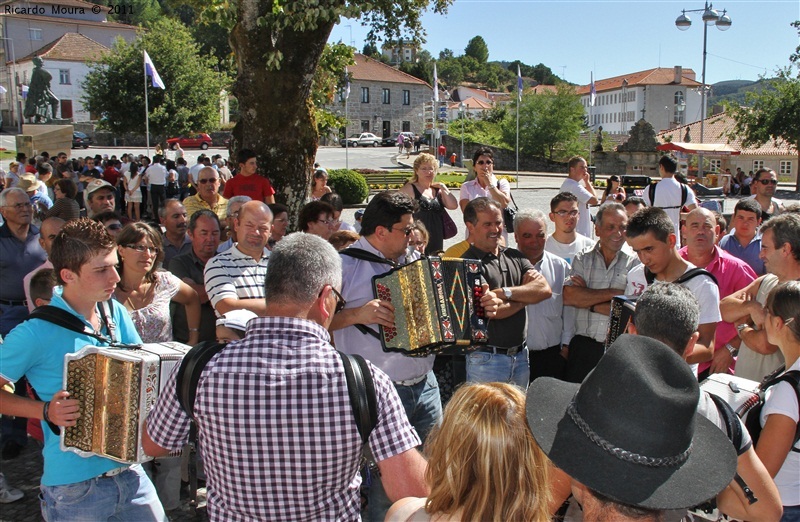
507, 292
733, 351
740, 328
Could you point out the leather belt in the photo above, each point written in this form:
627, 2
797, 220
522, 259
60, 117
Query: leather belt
13, 303
411, 382
510, 352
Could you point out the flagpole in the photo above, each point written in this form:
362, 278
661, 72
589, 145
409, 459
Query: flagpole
346, 96
519, 102
146, 107
591, 105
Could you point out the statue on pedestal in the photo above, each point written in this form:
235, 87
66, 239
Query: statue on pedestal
40, 98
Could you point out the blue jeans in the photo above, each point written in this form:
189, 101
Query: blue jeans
424, 410
129, 496
791, 514
495, 367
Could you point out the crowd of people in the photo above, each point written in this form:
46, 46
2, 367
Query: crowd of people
544, 421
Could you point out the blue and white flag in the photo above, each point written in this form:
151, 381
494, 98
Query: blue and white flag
150, 70
435, 85
347, 84
519, 84
592, 91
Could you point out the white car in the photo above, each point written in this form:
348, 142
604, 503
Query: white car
365, 139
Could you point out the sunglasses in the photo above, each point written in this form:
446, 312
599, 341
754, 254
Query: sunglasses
340, 302
768, 181
407, 231
485, 162
207, 180
570, 213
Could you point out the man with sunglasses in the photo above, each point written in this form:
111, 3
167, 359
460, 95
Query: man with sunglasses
385, 229
764, 184
208, 196
298, 457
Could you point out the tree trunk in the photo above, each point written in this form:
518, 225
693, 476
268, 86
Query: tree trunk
797, 174
276, 119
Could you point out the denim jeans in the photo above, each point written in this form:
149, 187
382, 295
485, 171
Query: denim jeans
129, 496
495, 367
791, 514
424, 410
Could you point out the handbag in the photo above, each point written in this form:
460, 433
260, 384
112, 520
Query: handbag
450, 229
509, 213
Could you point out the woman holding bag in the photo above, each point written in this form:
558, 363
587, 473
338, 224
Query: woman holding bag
433, 198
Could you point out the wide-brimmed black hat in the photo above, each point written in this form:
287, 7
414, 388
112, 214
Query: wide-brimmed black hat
631, 431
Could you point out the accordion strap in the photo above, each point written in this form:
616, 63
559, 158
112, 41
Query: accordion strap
68, 321
364, 255
361, 389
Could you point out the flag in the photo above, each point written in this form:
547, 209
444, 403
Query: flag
519, 84
3, 90
347, 84
150, 70
592, 91
435, 85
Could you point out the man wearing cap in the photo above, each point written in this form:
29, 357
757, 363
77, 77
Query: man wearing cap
630, 436
188, 267
30, 185
208, 196
99, 197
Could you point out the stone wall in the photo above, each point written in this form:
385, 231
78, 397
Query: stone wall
505, 159
621, 163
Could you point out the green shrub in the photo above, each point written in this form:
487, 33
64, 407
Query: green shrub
349, 184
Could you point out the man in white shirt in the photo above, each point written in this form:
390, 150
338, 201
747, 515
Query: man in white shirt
566, 242
650, 234
670, 194
549, 329
579, 183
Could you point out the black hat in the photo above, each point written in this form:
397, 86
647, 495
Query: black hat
631, 431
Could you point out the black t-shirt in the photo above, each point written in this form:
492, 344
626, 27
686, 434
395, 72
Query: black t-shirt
507, 269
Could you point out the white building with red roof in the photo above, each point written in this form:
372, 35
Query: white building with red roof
664, 97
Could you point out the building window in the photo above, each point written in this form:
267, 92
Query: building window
714, 165
406, 97
364, 125
785, 168
63, 77
631, 95
406, 126
34, 34
680, 108
386, 96
758, 164
365, 95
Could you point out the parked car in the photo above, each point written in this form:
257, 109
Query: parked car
365, 139
193, 141
391, 141
80, 139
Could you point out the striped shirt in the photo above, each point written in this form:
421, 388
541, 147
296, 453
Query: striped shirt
591, 266
276, 427
234, 274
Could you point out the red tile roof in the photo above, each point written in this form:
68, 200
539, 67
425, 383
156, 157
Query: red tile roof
369, 69
71, 47
657, 76
472, 103
717, 128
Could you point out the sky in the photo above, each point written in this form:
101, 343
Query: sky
612, 37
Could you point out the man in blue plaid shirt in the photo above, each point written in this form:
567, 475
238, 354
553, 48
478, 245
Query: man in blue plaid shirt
276, 428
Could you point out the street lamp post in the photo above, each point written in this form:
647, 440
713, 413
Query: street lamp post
723, 22
13, 86
461, 115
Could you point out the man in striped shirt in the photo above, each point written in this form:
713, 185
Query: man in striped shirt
234, 279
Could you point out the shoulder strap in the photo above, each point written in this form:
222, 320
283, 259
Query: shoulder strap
684, 194
651, 191
733, 426
694, 272
793, 378
361, 389
362, 254
190, 371
68, 321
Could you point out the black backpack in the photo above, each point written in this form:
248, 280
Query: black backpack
753, 421
651, 191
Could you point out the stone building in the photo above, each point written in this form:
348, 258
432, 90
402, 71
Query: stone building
383, 100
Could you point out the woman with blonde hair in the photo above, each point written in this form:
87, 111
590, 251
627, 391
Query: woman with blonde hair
483, 463
433, 197
780, 415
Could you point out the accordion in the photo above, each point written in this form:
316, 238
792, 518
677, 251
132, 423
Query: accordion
739, 393
437, 306
115, 388
621, 315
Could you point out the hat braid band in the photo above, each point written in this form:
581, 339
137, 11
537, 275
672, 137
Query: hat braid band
629, 456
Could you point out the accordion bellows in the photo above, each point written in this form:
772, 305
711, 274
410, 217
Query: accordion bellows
437, 306
115, 389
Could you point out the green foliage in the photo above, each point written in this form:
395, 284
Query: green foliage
477, 48
450, 71
349, 184
329, 80
115, 87
135, 12
549, 122
371, 50
477, 131
422, 69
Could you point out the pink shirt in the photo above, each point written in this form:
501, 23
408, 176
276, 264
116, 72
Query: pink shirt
732, 275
